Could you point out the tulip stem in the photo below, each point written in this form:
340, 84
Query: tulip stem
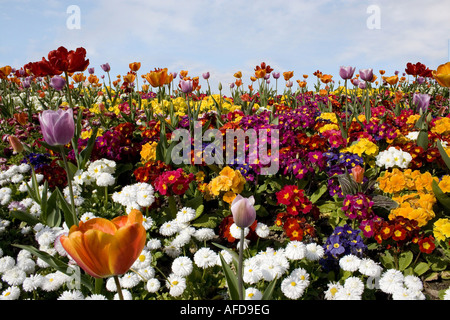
241, 260
119, 289
69, 184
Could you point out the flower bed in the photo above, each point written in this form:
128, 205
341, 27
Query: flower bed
337, 192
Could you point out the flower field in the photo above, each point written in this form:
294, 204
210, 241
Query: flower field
154, 186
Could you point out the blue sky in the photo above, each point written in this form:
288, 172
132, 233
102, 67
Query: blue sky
225, 36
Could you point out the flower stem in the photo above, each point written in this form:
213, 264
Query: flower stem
119, 289
69, 183
241, 260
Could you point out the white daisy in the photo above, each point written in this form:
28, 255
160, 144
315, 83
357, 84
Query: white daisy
176, 285
332, 289
169, 228
144, 260
14, 276
27, 265
182, 266
349, 262
147, 222
71, 295
346, 293
295, 250
153, 244
370, 268
413, 282
153, 285
204, 234
32, 282
235, 231
11, 293
186, 214
181, 240
391, 280
105, 179
129, 280
355, 285
96, 297
146, 273
226, 256
126, 295
314, 251
205, 258
6, 263
52, 282
252, 294
252, 273
262, 230
291, 287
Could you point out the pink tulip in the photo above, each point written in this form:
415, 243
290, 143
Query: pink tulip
244, 214
58, 127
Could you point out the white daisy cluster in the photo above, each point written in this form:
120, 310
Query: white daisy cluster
294, 285
20, 274
401, 287
135, 196
14, 174
5, 196
100, 171
391, 281
393, 157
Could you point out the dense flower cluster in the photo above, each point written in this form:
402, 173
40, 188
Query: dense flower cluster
357, 207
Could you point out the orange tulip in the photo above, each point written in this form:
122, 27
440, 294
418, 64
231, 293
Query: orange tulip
129, 78
252, 79
79, 77
135, 66
238, 75
184, 73
301, 84
15, 144
382, 72
261, 73
392, 80
159, 77
105, 248
442, 74
21, 118
93, 79
326, 78
238, 82
5, 71
288, 75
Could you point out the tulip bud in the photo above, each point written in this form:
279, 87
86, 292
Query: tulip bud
346, 73
57, 83
58, 127
275, 75
15, 144
105, 67
205, 75
358, 174
244, 214
220, 86
366, 74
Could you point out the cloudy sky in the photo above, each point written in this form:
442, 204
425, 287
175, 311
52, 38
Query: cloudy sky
225, 36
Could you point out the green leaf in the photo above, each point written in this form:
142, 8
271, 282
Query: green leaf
56, 264
444, 155
24, 216
387, 260
269, 290
206, 221
318, 193
384, 202
422, 139
421, 268
85, 154
443, 199
231, 278
66, 209
405, 260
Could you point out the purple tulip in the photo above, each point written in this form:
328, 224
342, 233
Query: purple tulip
420, 80
362, 85
174, 74
57, 83
186, 85
275, 75
231, 85
91, 70
366, 74
346, 73
58, 127
244, 213
422, 101
267, 76
355, 82
26, 82
205, 75
105, 67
